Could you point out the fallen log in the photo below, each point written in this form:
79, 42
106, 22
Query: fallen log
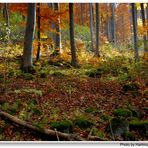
48, 132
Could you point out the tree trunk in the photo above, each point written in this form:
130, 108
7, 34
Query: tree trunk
56, 37
72, 41
7, 20
147, 19
144, 25
113, 32
97, 30
134, 17
38, 32
29, 36
82, 18
91, 25
58, 30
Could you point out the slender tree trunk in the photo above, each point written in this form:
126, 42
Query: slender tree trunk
72, 41
56, 37
147, 19
97, 30
82, 18
91, 25
7, 20
144, 25
38, 32
108, 23
29, 36
113, 31
6, 14
58, 30
134, 17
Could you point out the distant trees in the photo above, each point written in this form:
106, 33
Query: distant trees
72, 41
134, 19
29, 36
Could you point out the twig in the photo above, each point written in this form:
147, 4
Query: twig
57, 134
111, 130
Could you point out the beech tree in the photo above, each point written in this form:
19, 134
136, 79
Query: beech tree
91, 25
72, 41
97, 30
144, 25
29, 36
113, 32
134, 19
38, 32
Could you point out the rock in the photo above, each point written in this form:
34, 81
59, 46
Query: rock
118, 127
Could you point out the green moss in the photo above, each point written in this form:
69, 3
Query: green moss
96, 132
36, 111
106, 117
141, 126
28, 76
5, 106
62, 125
89, 110
94, 73
129, 136
121, 112
138, 123
58, 74
83, 123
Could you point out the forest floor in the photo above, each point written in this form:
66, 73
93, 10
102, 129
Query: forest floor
72, 100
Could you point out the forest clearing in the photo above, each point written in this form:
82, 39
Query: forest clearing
73, 72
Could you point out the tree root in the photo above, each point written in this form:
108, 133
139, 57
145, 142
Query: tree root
49, 132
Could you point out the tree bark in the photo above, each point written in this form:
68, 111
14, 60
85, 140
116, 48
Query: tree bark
91, 26
113, 30
97, 53
72, 41
82, 17
58, 30
134, 18
7, 20
29, 36
38, 32
144, 25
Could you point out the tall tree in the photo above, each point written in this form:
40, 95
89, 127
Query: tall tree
38, 32
29, 36
58, 30
7, 20
113, 30
134, 18
72, 41
97, 30
144, 25
91, 25
55, 25
82, 11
